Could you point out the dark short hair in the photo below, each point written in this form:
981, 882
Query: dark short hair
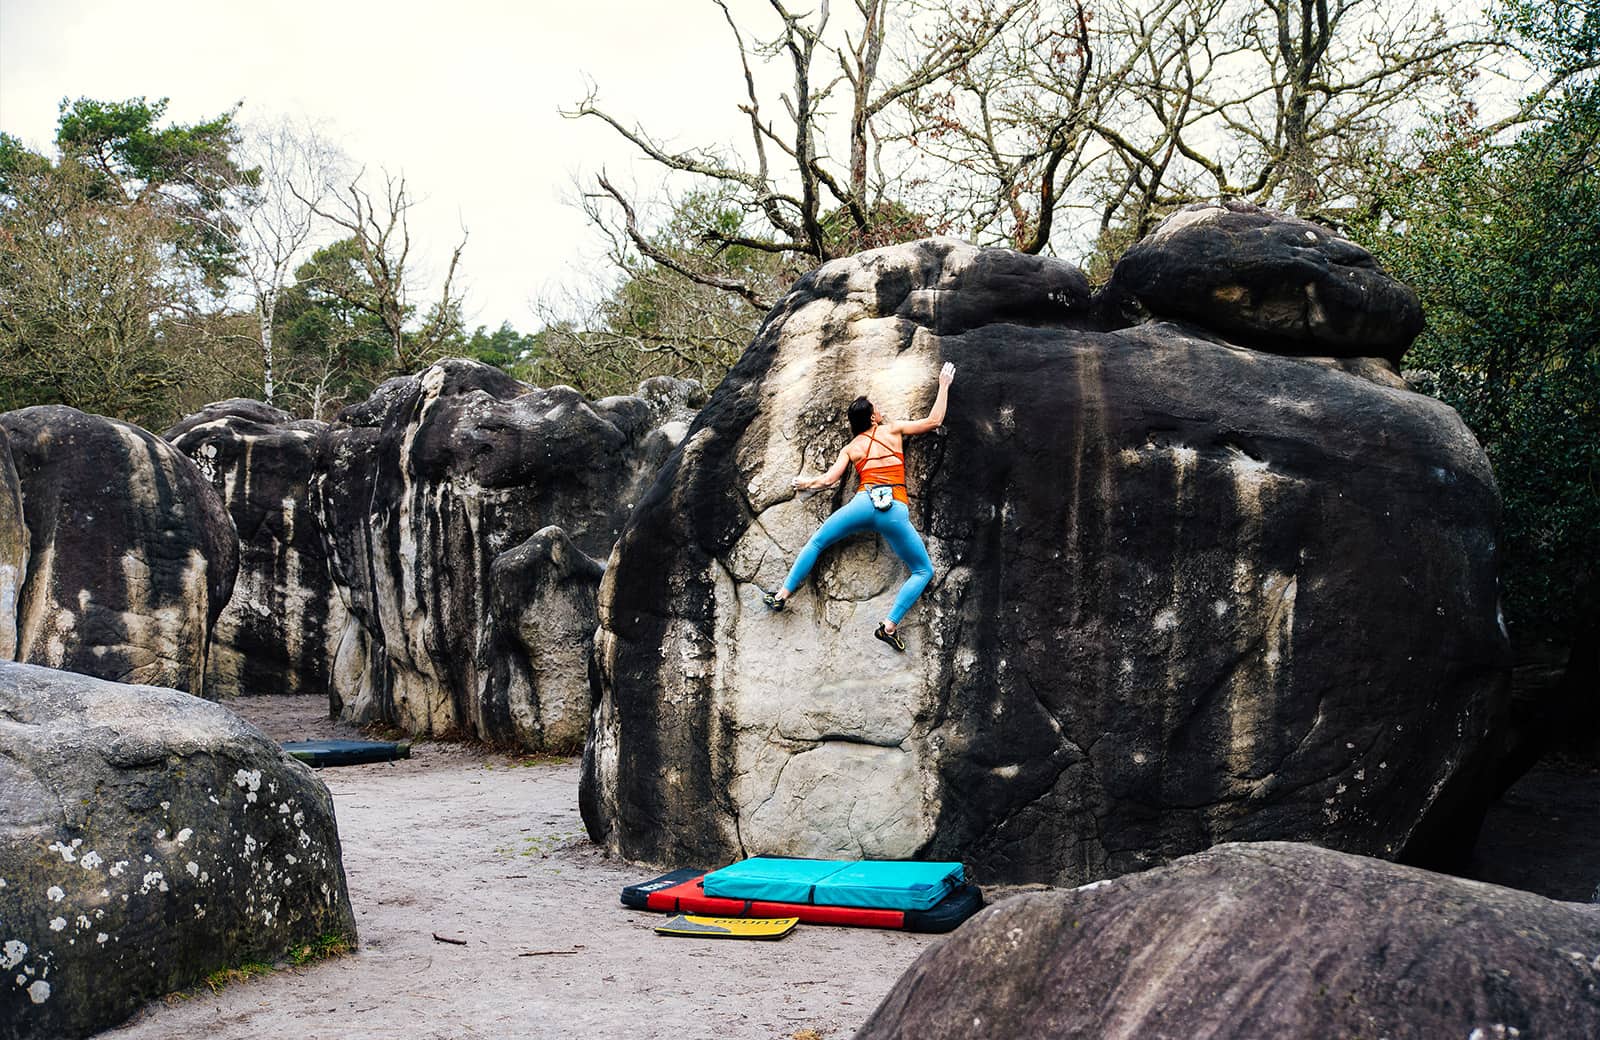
860, 416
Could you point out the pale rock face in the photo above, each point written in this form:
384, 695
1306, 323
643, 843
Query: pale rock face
147, 838
1162, 567
130, 557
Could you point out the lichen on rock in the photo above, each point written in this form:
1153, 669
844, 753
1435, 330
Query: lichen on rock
147, 838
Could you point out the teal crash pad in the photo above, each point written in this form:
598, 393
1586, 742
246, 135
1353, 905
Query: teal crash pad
876, 884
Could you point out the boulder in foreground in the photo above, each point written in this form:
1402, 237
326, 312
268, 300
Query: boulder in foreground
147, 839
1263, 940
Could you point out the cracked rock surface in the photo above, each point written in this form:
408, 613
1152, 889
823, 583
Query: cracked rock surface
1186, 592
147, 838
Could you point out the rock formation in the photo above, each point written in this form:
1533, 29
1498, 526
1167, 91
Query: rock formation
13, 550
543, 608
428, 484
426, 559
1186, 592
130, 553
1271, 281
279, 632
147, 838
1270, 939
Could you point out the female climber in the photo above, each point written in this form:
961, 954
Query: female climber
880, 502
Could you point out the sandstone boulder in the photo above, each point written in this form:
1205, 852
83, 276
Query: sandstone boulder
131, 554
279, 632
13, 550
1186, 592
425, 487
147, 838
543, 608
1264, 940
1269, 280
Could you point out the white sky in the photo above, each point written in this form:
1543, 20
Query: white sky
461, 96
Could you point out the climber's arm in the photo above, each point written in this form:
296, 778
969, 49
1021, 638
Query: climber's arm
833, 476
935, 419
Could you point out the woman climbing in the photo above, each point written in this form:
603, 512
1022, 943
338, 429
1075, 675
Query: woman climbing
880, 502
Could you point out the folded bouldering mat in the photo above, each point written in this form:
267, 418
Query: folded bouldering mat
878, 884
319, 753
683, 892
695, 927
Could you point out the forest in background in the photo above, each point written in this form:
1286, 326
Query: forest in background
148, 267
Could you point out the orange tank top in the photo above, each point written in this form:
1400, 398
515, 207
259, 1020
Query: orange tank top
891, 472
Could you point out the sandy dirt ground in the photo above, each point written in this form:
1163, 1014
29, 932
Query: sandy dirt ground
490, 850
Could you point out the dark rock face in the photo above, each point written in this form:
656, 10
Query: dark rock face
1260, 940
279, 632
147, 838
406, 560
429, 483
13, 550
1272, 281
131, 555
543, 608
1185, 593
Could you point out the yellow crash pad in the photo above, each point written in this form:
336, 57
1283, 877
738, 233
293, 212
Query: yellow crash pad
728, 927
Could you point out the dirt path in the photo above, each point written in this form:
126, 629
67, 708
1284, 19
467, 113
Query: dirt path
486, 849
480, 848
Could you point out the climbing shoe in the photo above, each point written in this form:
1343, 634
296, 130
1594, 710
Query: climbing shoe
892, 638
771, 600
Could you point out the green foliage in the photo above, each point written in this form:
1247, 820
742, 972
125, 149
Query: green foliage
110, 256
321, 948
185, 170
1502, 243
505, 348
330, 350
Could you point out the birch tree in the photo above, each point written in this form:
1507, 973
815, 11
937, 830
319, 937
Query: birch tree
292, 166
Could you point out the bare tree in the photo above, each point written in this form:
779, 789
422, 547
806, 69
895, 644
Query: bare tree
291, 169
378, 227
800, 200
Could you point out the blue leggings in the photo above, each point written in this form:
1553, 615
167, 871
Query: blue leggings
894, 524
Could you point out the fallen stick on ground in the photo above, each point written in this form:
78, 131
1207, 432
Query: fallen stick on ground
549, 953
453, 942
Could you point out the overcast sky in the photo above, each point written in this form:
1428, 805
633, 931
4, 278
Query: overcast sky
461, 96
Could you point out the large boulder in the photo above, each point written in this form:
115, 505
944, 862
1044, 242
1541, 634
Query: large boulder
147, 838
279, 632
426, 486
1269, 280
13, 550
1186, 593
1266, 940
131, 554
